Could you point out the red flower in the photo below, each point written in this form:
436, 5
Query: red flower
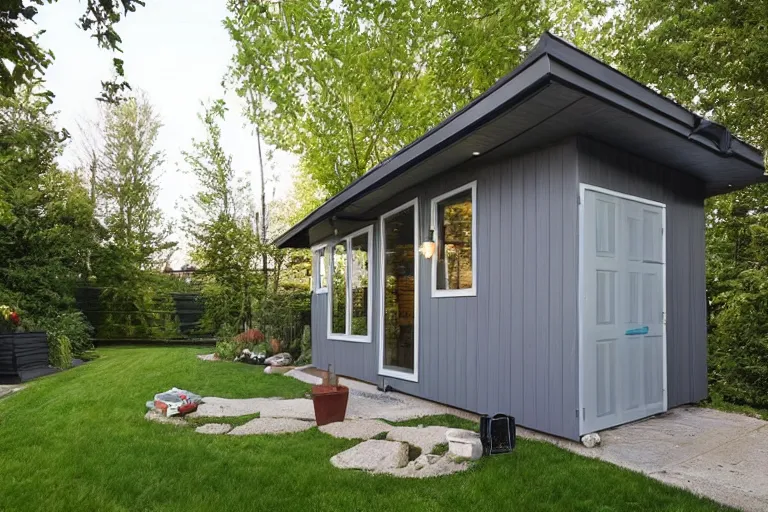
14, 318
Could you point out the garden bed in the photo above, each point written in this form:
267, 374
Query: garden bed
23, 356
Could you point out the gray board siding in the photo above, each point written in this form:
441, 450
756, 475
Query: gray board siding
513, 347
606, 167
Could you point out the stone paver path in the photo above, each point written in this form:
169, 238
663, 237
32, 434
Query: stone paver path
356, 429
7, 389
260, 426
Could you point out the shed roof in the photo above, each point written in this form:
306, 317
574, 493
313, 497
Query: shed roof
556, 92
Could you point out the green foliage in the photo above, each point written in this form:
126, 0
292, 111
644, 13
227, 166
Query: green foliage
59, 351
71, 327
223, 239
48, 228
713, 58
227, 349
345, 84
305, 347
136, 242
23, 61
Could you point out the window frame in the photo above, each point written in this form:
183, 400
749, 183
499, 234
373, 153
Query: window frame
388, 372
461, 292
316, 269
346, 336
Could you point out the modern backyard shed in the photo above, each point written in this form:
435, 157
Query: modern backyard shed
540, 253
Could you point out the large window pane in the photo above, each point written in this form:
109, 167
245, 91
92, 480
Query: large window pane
399, 303
454, 247
359, 285
339, 289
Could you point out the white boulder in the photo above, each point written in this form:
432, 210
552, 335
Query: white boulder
464, 443
591, 440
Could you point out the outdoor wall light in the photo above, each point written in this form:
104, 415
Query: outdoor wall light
475, 153
427, 248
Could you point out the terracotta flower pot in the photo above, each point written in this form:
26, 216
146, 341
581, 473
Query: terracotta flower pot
330, 403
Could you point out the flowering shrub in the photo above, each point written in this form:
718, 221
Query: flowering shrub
9, 319
250, 336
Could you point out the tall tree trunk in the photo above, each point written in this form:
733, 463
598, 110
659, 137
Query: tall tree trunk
263, 216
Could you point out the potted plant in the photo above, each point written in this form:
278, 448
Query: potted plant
23, 355
330, 399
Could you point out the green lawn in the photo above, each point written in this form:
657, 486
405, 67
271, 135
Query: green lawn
78, 441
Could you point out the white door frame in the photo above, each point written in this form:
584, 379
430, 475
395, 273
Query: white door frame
413, 377
583, 188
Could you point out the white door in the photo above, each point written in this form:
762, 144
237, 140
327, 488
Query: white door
623, 361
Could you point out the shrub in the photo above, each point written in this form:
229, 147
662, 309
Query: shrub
250, 336
305, 356
72, 326
227, 350
59, 351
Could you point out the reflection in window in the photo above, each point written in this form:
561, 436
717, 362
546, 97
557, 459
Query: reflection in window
399, 299
339, 289
359, 284
321, 270
454, 242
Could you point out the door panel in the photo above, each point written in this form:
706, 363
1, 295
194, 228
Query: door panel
622, 311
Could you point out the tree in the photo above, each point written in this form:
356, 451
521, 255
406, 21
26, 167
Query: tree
46, 222
345, 84
136, 242
712, 57
23, 61
224, 242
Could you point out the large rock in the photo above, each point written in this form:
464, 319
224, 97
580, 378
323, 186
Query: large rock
271, 426
425, 438
282, 359
356, 429
464, 443
591, 440
373, 455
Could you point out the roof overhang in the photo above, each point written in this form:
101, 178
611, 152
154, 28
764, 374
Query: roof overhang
557, 92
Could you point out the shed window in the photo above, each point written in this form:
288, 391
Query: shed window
453, 219
349, 316
319, 270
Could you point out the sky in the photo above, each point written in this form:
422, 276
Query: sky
177, 52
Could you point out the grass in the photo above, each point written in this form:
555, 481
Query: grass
78, 441
716, 401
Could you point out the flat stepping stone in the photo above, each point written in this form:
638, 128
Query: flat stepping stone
298, 408
214, 428
425, 438
427, 466
464, 443
260, 426
158, 417
373, 455
356, 429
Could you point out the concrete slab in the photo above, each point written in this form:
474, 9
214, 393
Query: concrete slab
7, 389
214, 428
720, 455
260, 426
356, 429
425, 438
373, 455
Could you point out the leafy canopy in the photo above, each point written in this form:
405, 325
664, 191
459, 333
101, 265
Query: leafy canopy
23, 61
344, 84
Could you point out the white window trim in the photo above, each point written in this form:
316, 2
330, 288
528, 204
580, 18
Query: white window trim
463, 292
316, 268
347, 241
413, 377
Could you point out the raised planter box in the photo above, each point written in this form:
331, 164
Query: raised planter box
23, 356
